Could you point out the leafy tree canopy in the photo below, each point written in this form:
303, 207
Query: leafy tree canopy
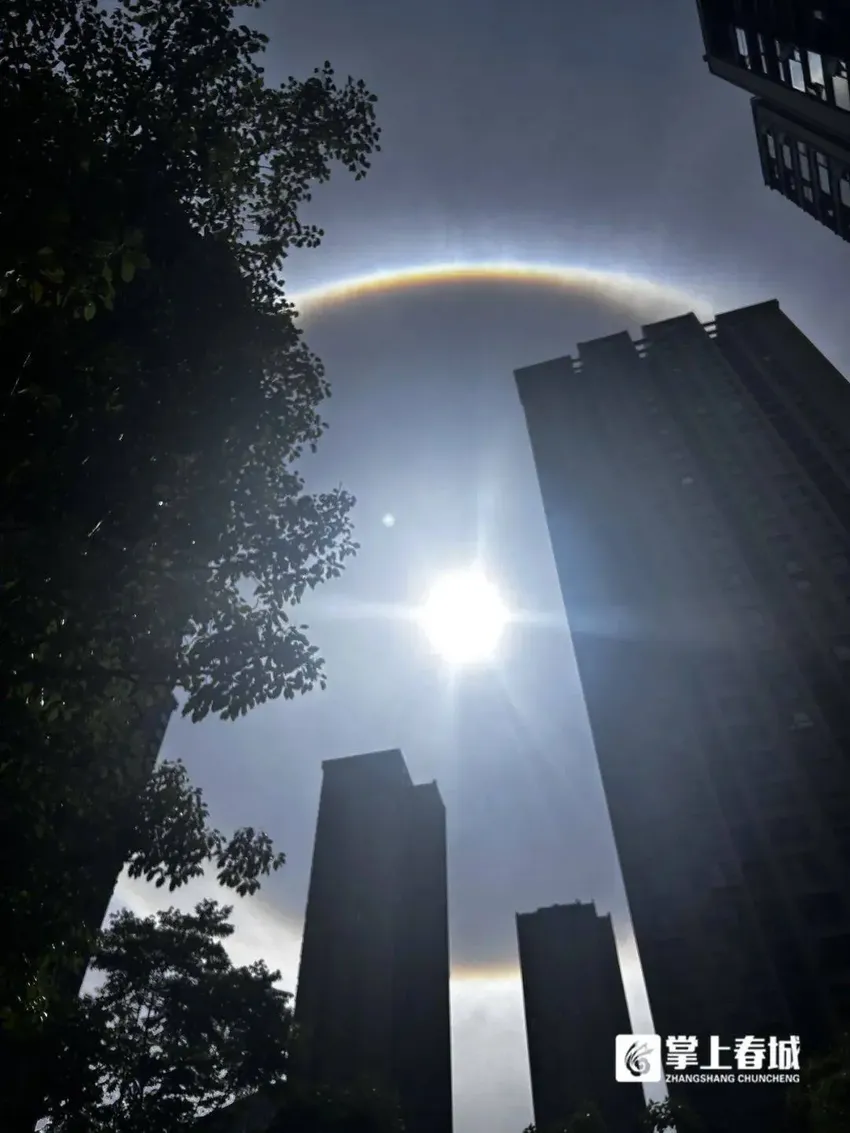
168, 840
151, 187
658, 1117
155, 531
173, 1032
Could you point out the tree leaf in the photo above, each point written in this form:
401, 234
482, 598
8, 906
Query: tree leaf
201, 384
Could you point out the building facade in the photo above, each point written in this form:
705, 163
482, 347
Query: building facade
372, 1004
696, 485
575, 1006
104, 846
793, 58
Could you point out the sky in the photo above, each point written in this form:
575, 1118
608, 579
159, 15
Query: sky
587, 137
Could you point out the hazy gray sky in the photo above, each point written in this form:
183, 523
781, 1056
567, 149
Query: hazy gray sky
584, 134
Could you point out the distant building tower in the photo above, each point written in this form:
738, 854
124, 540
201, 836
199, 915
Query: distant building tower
793, 57
575, 1006
372, 1004
108, 845
696, 485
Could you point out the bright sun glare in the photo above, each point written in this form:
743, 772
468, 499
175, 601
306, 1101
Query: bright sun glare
464, 617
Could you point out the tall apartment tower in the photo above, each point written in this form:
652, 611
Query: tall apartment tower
696, 485
372, 1004
575, 1006
793, 58
145, 732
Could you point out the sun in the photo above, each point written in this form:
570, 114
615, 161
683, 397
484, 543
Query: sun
464, 617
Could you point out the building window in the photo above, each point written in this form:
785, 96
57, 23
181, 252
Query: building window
741, 43
844, 190
801, 721
816, 73
762, 53
795, 70
786, 156
808, 194
803, 155
841, 88
780, 59
823, 171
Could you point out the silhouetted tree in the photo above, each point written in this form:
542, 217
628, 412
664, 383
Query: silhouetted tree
670, 1115
821, 1102
353, 1110
586, 1119
174, 1031
155, 532
170, 842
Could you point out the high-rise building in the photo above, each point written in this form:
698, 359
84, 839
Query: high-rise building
106, 847
696, 485
793, 58
372, 1004
575, 1006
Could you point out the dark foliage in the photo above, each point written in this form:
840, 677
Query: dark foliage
174, 1031
155, 532
658, 1117
821, 1102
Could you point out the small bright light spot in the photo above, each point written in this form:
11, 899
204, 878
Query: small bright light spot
464, 617
388, 520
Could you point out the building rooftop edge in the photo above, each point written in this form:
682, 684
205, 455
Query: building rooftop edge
386, 757
560, 905
575, 360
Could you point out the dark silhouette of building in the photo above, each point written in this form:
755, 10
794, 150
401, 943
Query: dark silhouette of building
372, 1005
575, 1006
696, 485
107, 846
793, 58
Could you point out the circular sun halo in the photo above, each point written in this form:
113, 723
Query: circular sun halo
463, 617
